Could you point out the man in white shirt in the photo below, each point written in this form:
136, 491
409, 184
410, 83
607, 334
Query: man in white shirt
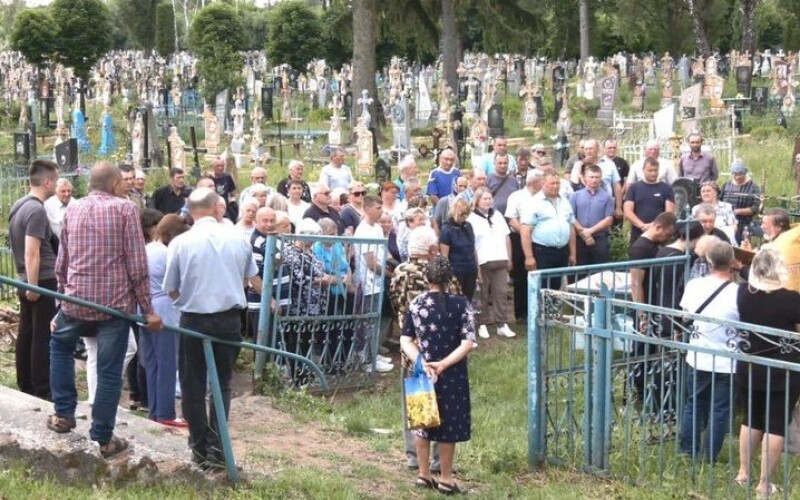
652, 149
336, 174
56, 206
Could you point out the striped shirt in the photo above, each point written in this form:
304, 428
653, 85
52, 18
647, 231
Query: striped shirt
102, 257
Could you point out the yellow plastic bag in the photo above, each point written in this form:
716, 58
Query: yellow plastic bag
422, 410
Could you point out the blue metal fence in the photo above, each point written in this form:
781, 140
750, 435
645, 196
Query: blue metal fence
608, 385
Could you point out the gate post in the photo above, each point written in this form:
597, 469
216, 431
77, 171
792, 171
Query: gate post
265, 313
600, 337
537, 445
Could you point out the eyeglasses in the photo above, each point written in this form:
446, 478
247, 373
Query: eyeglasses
358, 193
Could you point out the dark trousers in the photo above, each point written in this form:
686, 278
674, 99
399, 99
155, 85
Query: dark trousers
468, 283
519, 277
551, 258
32, 350
203, 427
596, 254
137, 374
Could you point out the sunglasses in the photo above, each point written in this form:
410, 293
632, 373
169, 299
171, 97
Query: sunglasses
358, 193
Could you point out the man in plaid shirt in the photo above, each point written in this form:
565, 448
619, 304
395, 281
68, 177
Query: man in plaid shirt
101, 259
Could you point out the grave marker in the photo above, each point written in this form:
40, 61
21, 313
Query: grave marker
608, 93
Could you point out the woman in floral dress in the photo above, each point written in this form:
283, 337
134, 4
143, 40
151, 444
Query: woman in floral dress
440, 327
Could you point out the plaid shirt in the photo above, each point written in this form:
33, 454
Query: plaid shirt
102, 257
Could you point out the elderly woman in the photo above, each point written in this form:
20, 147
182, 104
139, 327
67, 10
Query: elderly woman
725, 218
493, 251
767, 396
259, 192
744, 195
412, 219
353, 212
440, 327
159, 349
247, 217
295, 205
307, 281
389, 201
334, 261
457, 243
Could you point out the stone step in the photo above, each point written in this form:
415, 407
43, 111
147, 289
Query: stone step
157, 453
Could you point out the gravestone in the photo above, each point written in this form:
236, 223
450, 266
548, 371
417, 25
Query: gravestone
211, 130
221, 108
690, 103
383, 171
714, 86
608, 92
683, 69
66, 154
401, 129
559, 78
266, 102
423, 108
744, 79
758, 101
637, 102
780, 120
22, 148
364, 147
495, 121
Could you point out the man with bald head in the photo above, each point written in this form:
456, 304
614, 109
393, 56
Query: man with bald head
442, 178
101, 259
211, 303
652, 149
264, 226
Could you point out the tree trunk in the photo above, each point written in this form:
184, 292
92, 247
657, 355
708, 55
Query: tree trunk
696, 9
749, 25
450, 44
586, 46
365, 38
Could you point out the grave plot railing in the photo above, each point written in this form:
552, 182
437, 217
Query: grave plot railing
609, 394
335, 320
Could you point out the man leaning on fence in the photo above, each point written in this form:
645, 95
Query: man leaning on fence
101, 259
33, 246
210, 303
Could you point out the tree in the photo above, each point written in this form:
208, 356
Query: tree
84, 33
34, 34
139, 18
294, 34
697, 11
165, 30
255, 21
215, 38
365, 25
585, 19
749, 25
451, 48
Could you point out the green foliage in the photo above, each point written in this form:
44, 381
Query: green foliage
139, 21
33, 35
84, 33
165, 29
216, 36
255, 22
294, 34
337, 35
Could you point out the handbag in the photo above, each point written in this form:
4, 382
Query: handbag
793, 432
422, 410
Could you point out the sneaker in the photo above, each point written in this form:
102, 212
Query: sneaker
483, 332
505, 331
384, 359
380, 367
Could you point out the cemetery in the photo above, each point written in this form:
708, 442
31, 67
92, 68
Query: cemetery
190, 82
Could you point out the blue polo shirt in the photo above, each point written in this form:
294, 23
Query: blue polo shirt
440, 183
551, 220
590, 208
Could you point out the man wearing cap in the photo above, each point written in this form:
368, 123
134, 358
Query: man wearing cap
696, 164
743, 194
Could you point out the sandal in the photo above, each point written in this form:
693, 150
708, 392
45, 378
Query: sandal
448, 489
60, 425
741, 481
773, 492
114, 447
424, 482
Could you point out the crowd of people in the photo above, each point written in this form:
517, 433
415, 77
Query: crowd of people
454, 245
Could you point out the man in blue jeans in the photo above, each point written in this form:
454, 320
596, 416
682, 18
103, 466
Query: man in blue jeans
101, 259
210, 303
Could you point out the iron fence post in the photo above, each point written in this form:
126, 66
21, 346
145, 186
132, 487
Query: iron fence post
601, 333
265, 316
536, 419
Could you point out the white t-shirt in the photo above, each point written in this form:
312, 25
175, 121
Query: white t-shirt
372, 282
490, 240
296, 211
336, 177
711, 335
516, 201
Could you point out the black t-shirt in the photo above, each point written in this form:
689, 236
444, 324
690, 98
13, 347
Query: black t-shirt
649, 200
641, 249
668, 281
314, 212
777, 309
622, 168
224, 186
165, 199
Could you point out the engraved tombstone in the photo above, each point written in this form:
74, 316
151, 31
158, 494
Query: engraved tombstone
495, 121
608, 92
744, 78
758, 102
401, 129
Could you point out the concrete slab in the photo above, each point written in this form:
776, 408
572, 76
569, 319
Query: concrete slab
156, 452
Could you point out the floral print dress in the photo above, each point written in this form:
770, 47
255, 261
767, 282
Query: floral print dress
440, 322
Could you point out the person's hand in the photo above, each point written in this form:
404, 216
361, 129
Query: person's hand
746, 245
437, 367
589, 241
737, 265
618, 214
154, 322
572, 260
530, 263
430, 370
31, 296
645, 227
53, 324
585, 234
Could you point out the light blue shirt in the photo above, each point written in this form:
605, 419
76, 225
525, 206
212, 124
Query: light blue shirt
551, 221
207, 265
487, 163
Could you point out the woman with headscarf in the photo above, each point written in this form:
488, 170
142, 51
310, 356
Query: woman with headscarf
766, 395
440, 327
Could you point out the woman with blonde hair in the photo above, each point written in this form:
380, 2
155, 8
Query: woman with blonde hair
457, 243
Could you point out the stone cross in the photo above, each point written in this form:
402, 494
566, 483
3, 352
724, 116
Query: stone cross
365, 101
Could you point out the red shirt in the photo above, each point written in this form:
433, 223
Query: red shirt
102, 257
